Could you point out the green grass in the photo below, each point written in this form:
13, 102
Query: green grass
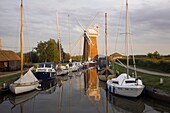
9, 78
148, 80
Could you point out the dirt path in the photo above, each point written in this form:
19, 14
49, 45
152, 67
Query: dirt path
6, 74
147, 71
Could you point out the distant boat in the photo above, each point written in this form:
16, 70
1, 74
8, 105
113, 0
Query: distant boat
46, 71
74, 66
61, 70
28, 81
89, 64
124, 84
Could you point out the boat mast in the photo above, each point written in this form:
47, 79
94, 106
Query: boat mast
69, 34
0, 44
106, 40
21, 35
58, 30
127, 39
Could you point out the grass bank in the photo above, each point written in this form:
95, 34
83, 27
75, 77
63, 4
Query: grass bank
9, 78
160, 65
148, 80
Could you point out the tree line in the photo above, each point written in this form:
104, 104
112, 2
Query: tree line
46, 51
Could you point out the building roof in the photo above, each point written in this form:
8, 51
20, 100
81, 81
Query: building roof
116, 55
8, 55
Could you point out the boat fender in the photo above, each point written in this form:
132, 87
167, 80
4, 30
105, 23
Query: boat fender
137, 81
106, 87
113, 89
109, 88
39, 89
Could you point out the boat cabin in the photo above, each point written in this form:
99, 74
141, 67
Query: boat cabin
122, 80
46, 67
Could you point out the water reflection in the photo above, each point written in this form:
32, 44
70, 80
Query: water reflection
20, 100
48, 87
78, 92
91, 84
156, 105
122, 104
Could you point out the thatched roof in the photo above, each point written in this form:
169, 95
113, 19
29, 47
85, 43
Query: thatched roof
116, 55
8, 55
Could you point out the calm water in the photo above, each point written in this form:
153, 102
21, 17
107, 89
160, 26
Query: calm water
77, 93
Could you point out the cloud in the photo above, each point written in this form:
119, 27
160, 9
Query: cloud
149, 21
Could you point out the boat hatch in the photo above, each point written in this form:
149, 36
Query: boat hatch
132, 81
48, 65
40, 65
115, 82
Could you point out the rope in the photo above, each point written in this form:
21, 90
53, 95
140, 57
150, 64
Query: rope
119, 26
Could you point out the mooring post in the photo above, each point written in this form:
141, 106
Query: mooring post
161, 81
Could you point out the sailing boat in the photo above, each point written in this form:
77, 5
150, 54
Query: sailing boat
106, 73
124, 84
75, 65
61, 70
28, 81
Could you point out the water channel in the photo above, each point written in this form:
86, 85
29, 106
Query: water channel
78, 92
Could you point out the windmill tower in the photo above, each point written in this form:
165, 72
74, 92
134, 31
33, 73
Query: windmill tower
90, 50
90, 35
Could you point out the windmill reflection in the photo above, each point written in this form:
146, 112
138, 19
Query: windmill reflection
91, 84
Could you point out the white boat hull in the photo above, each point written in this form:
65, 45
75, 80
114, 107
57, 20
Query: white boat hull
22, 88
61, 72
73, 69
128, 91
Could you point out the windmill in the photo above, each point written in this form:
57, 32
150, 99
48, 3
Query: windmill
90, 43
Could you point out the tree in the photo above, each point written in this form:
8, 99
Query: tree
49, 51
76, 57
41, 51
31, 57
154, 55
66, 56
52, 51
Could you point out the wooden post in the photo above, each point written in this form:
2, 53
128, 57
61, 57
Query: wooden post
21, 35
58, 30
127, 39
69, 35
106, 40
0, 44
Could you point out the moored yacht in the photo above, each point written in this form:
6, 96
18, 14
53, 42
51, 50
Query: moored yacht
46, 70
74, 66
125, 86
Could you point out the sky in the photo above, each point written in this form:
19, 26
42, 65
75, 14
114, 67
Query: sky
149, 24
